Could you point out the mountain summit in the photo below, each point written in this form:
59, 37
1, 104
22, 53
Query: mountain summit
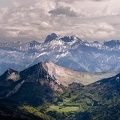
51, 37
62, 76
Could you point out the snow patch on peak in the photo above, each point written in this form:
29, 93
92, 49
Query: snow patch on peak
62, 55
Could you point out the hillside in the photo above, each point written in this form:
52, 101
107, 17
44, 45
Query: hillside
48, 91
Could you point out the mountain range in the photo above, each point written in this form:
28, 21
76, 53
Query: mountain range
46, 73
67, 51
45, 90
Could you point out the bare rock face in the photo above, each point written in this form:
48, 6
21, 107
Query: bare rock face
66, 76
10, 74
51, 37
16, 88
13, 76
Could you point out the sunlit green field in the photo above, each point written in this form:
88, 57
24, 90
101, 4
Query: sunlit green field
62, 109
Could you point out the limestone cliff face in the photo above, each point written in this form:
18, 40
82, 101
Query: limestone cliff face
66, 76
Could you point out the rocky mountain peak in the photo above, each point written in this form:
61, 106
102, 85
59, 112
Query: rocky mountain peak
69, 38
112, 43
64, 76
33, 43
10, 74
51, 37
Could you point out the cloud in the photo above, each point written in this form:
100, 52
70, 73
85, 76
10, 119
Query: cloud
64, 11
88, 19
4, 3
100, 0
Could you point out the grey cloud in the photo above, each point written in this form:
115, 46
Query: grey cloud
100, 0
71, 1
64, 11
84, 18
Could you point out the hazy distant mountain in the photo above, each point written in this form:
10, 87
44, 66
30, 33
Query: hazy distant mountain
67, 51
